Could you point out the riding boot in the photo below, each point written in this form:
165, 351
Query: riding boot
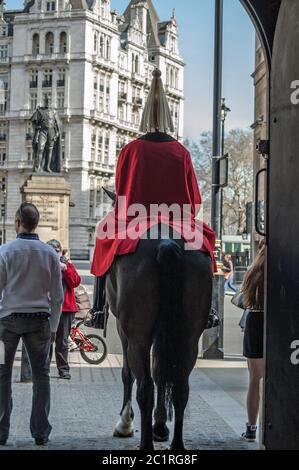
99, 297
99, 300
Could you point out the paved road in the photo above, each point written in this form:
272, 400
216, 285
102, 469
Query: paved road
85, 410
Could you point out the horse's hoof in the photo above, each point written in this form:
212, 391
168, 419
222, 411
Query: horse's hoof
160, 433
177, 448
122, 435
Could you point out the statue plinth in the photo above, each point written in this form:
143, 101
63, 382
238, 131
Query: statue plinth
50, 193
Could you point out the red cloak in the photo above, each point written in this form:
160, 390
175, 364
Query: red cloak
151, 172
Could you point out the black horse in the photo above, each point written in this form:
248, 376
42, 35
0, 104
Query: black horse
161, 297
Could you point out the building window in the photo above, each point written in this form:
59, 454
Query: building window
2, 156
63, 43
35, 44
101, 92
50, 6
95, 42
106, 149
108, 49
102, 47
61, 78
33, 78
91, 201
100, 145
93, 143
33, 101
137, 64
107, 99
49, 44
47, 81
29, 133
3, 94
135, 117
173, 44
3, 131
60, 99
3, 52
121, 113
104, 9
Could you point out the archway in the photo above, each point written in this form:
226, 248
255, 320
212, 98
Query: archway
276, 22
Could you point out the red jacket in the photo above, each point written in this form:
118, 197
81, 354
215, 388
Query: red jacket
151, 173
71, 279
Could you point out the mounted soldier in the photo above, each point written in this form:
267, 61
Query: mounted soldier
154, 169
159, 287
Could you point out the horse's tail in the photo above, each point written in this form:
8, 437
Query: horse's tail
166, 351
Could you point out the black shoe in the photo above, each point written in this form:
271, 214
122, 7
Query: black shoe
3, 441
41, 441
65, 375
250, 434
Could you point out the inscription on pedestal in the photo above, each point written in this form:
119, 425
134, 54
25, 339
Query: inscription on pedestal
51, 196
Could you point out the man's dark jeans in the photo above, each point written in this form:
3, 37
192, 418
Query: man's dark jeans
35, 333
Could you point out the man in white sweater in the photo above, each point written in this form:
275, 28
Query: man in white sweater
31, 296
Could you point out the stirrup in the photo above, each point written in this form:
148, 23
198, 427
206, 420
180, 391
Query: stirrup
213, 319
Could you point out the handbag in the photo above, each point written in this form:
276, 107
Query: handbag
238, 300
242, 322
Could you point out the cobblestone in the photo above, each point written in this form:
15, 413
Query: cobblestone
85, 410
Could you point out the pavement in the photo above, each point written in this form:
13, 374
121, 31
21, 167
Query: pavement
85, 409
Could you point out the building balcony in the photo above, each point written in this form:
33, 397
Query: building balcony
4, 60
33, 84
173, 91
122, 97
99, 167
123, 72
55, 56
106, 63
137, 102
47, 84
102, 116
60, 83
136, 77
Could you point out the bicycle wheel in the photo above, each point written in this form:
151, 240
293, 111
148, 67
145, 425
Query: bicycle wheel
100, 350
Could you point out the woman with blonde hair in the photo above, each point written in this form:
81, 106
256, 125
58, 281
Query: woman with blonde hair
253, 300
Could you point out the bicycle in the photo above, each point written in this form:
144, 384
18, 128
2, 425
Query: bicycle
93, 348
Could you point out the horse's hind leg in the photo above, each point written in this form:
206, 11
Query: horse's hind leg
180, 396
139, 360
160, 430
125, 425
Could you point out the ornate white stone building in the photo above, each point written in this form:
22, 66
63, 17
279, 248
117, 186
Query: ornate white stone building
96, 65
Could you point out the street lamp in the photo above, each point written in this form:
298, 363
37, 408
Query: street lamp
224, 112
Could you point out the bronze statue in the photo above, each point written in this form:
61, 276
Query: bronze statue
47, 139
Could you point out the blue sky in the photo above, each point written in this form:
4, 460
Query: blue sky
196, 22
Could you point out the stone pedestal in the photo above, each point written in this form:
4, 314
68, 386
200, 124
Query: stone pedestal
51, 195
